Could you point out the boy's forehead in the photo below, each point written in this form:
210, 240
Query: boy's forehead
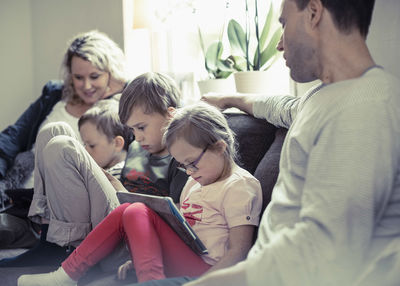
139, 115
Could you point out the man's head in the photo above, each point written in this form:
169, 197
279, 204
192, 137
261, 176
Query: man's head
347, 14
309, 27
146, 105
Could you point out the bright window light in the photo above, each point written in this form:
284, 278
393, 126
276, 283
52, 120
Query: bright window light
165, 38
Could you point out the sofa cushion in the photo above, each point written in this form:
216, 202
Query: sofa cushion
268, 169
253, 136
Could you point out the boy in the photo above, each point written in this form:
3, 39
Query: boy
105, 138
146, 105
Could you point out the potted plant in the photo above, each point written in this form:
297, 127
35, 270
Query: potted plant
250, 62
218, 69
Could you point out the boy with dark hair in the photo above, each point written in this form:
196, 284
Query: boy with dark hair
146, 105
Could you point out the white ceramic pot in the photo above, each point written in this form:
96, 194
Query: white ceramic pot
226, 85
252, 81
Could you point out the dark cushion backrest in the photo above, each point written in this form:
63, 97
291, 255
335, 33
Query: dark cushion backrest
268, 169
253, 136
259, 148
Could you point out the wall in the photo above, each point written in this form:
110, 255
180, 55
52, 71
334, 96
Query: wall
34, 37
384, 35
16, 58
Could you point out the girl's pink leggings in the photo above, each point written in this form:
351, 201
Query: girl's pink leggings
157, 251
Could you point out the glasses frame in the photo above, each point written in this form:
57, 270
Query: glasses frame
192, 166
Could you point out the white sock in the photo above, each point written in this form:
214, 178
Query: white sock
56, 278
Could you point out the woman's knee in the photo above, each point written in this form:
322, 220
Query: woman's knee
52, 129
58, 148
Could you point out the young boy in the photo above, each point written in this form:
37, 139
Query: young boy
104, 136
146, 105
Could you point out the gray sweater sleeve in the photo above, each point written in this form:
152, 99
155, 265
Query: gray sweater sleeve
279, 110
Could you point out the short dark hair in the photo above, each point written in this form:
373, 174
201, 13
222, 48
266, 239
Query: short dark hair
154, 92
347, 14
104, 115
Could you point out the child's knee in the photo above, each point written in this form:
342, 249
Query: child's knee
136, 211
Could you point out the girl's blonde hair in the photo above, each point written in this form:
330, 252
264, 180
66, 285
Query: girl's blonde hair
101, 52
201, 125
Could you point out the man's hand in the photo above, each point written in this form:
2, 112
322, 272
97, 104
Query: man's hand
244, 102
225, 277
218, 100
123, 270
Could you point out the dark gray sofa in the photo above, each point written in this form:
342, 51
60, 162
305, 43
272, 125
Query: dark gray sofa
259, 147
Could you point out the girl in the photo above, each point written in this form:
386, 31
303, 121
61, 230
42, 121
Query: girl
221, 201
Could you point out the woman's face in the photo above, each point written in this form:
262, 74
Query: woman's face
90, 83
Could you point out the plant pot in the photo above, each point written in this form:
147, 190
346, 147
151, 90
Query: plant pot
252, 81
220, 85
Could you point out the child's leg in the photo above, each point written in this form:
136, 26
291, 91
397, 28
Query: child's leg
157, 251
100, 242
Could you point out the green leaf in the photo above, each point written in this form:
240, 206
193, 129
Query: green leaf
270, 51
223, 74
225, 65
267, 28
237, 38
239, 63
213, 55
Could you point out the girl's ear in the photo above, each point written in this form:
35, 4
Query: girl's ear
220, 146
119, 142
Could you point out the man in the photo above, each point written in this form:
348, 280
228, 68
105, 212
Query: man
334, 217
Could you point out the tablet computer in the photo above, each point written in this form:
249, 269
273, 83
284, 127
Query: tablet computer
166, 208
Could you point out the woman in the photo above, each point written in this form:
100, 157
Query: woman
94, 69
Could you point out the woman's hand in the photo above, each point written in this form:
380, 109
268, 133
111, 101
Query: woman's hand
123, 270
115, 182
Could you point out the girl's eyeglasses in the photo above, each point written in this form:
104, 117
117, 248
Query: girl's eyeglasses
192, 166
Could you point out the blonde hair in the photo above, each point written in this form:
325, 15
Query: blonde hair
100, 51
201, 125
104, 115
153, 91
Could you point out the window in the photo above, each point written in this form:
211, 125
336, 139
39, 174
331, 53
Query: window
165, 38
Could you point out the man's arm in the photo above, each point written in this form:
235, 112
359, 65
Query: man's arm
348, 182
279, 110
243, 102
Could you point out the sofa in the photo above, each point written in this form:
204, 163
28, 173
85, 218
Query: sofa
259, 145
